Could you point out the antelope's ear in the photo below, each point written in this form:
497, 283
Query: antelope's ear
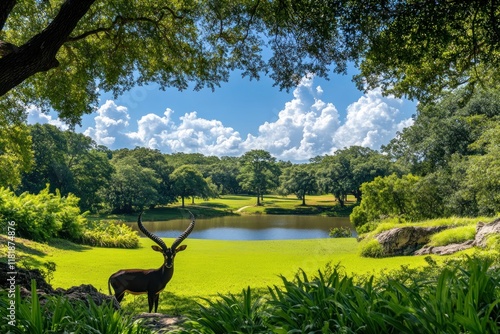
180, 248
156, 248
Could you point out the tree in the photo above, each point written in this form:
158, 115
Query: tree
389, 196
422, 48
67, 161
155, 160
131, 187
16, 155
56, 54
188, 181
344, 172
443, 129
257, 172
483, 173
299, 180
224, 175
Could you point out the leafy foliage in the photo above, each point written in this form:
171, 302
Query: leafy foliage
230, 314
67, 161
417, 49
132, 186
386, 196
340, 232
43, 216
15, 151
371, 248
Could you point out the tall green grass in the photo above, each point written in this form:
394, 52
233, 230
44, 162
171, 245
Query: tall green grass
109, 234
461, 298
453, 235
57, 315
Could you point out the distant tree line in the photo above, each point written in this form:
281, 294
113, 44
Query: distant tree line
446, 163
126, 180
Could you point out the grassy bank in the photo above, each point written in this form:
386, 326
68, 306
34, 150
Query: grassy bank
208, 267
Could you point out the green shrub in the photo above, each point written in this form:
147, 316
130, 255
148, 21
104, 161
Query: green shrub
453, 235
340, 232
42, 216
110, 234
371, 248
358, 217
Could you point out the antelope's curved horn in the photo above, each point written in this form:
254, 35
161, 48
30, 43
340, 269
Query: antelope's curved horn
184, 235
151, 235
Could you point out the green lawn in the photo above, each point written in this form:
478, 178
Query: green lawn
209, 267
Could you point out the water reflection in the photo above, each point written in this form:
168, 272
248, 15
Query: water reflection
265, 227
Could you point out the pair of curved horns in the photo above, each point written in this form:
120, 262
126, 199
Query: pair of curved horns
160, 242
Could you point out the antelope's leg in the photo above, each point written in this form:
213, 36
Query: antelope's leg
157, 298
119, 296
151, 298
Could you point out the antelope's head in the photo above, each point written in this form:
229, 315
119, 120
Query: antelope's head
168, 253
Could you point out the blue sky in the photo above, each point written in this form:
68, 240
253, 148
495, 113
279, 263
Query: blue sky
316, 118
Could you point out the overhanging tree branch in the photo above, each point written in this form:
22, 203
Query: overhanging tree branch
5, 9
39, 53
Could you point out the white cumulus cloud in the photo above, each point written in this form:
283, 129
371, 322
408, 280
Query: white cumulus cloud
306, 127
35, 115
111, 123
371, 121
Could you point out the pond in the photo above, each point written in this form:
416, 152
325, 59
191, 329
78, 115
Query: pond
264, 227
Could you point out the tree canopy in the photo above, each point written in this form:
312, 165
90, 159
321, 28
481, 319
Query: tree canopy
60, 54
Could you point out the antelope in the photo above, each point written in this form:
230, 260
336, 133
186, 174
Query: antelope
151, 281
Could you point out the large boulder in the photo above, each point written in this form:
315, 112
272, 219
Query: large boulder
445, 250
23, 279
85, 292
406, 240
483, 230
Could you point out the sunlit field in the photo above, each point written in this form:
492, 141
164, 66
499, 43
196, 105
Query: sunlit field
209, 267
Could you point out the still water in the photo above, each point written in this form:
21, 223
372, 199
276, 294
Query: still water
265, 227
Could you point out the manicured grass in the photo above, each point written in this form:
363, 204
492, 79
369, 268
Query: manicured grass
209, 267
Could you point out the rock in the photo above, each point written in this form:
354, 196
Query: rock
158, 322
483, 230
445, 250
406, 240
23, 278
86, 291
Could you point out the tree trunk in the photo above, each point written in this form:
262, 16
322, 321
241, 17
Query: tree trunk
182, 198
304, 200
39, 53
